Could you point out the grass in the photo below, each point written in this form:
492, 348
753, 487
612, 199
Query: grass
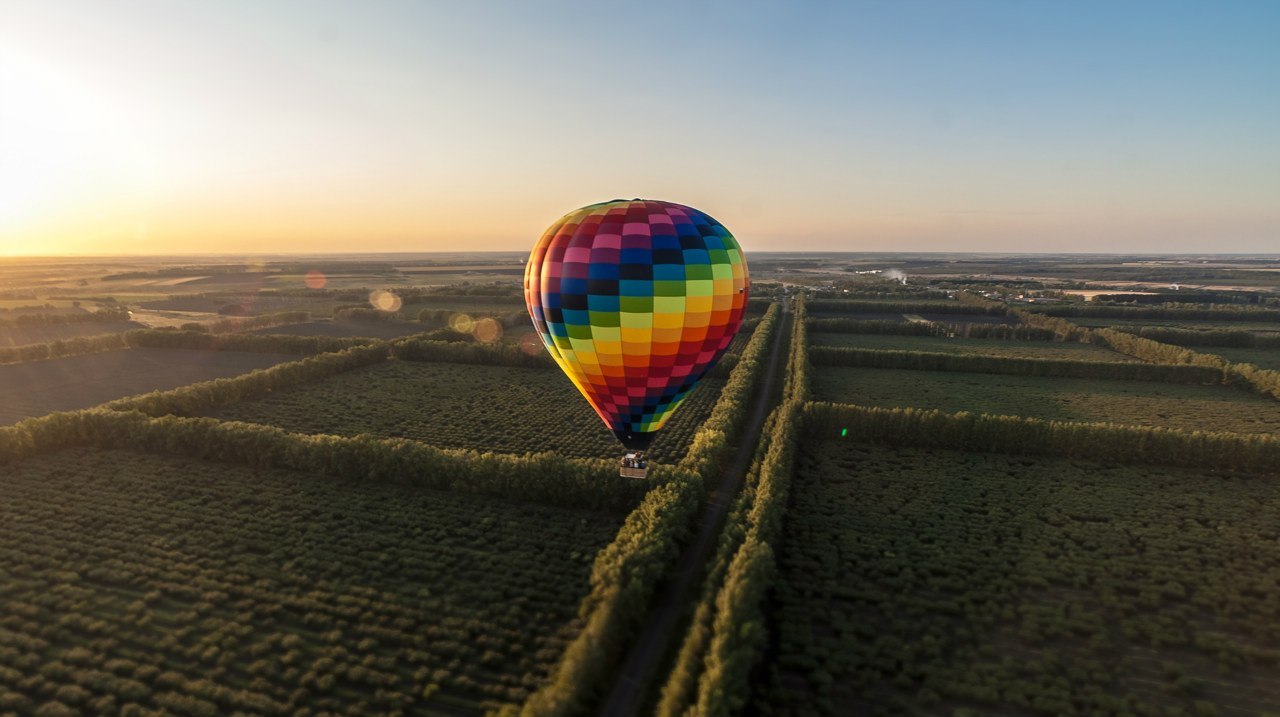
1142, 403
1069, 350
936, 582
65, 384
268, 591
486, 408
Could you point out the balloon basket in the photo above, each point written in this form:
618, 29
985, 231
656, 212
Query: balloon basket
633, 465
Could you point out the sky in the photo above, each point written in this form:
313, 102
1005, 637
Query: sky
273, 126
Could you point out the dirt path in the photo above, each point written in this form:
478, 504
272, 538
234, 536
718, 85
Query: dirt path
657, 632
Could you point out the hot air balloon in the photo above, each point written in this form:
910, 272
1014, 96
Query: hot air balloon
636, 301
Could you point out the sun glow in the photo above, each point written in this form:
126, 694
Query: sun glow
74, 164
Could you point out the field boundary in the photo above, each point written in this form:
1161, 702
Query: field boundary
727, 633
627, 573
986, 433
1015, 366
542, 477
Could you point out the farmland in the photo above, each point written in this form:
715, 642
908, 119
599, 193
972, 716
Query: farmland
486, 408
938, 582
1142, 403
265, 591
992, 347
40, 387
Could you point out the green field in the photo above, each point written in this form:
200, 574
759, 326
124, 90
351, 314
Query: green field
208, 588
1068, 350
947, 583
1142, 403
486, 408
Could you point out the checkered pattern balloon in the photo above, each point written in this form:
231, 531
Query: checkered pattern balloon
636, 300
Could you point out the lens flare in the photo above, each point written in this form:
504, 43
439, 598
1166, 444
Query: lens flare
462, 323
385, 300
315, 279
487, 330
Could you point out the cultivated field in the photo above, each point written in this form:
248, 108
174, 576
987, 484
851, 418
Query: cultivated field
948, 583
1142, 403
206, 588
486, 408
1070, 350
65, 384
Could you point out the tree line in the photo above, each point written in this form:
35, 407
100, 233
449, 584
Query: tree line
101, 316
1016, 366
542, 477
846, 306
1217, 312
1233, 338
178, 339
1244, 375
496, 354
627, 572
930, 328
1033, 436
728, 631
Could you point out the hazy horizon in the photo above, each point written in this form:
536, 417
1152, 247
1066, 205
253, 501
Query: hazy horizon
146, 128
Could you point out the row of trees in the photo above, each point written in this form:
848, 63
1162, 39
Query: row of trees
930, 328
1244, 375
1015, 434
727, 633
627, 572
845, 306
496, 354
713, 440
178, 339
1016, 366
1234, 338
1216, 312
540, 478
249, 323
102, 316
257, 343
63, 347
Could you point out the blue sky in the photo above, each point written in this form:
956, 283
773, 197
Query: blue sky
860, 126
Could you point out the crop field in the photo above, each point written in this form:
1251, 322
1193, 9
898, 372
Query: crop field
948, 583
343, 329
485, 408
1071, 350
66, 384
204, 588
23, 335
1141, 403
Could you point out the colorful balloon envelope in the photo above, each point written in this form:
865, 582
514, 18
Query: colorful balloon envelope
636, 300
